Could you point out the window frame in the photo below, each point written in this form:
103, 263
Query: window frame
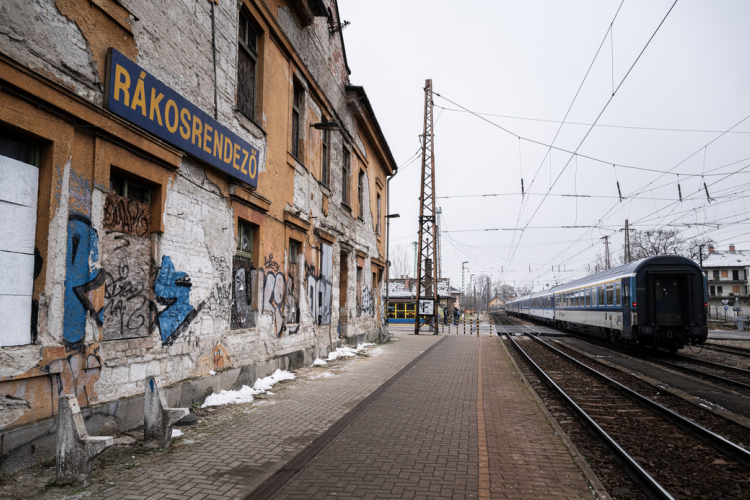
361, 195
380, 215
325, 160
251, 229
618, 297
610, 295
601, 296
298, 99
345, 169
253, 54
124, 189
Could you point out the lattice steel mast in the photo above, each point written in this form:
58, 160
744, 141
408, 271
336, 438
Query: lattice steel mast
427, 283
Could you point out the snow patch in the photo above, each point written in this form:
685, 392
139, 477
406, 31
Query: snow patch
176, 433
319, 362
212, 372
347, 352
247, 394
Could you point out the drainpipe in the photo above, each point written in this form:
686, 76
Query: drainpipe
388, 218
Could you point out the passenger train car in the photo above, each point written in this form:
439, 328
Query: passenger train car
659, 301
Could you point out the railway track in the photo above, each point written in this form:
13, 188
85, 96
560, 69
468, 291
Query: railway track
664, 452
728, 349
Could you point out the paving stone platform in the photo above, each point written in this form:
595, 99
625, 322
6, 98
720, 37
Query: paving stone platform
432, 434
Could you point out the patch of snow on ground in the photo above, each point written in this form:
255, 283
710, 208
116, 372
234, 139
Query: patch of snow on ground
246, 394
319, 362
347, 352
176, 433
212, 372
265, 383
376, 351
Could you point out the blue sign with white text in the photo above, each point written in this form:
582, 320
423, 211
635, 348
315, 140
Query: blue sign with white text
141, 98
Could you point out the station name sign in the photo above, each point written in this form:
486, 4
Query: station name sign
141, 98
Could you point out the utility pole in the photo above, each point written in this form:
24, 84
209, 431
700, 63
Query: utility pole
700, 255
627, 242
438, 259
463, 282
606, 251
427, 276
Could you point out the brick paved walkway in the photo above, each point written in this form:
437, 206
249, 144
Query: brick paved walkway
526, 458
233, 458
420, 439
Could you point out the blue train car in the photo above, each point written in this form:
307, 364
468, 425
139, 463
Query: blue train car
659, 301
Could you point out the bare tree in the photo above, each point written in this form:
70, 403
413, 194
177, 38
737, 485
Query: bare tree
666, 242
402, 261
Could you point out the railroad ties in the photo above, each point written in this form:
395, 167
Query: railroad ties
505, 325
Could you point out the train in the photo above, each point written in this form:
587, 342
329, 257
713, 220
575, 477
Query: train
659, 302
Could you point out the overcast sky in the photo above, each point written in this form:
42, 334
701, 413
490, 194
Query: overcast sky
526, 60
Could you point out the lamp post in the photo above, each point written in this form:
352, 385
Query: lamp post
473, 298
463, 290
387, 253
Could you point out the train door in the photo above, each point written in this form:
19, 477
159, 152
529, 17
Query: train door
626, 324
668, 300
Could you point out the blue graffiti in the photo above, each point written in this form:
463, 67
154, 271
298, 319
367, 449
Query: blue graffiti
174, 311
81, 281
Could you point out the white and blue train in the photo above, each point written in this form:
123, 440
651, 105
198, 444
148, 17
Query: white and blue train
658, 301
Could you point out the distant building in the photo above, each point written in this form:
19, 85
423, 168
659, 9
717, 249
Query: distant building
402, 299
727, 274
496, 304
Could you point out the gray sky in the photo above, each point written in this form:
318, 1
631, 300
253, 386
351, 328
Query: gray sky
527, 59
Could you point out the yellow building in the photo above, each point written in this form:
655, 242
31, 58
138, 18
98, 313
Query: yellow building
186, 188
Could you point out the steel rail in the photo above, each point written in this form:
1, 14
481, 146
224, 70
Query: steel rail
701, 373
739, 351
721, 444
651, 487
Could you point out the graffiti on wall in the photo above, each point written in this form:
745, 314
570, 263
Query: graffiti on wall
70, 369
292, 295
368, 303
84, 285
127, 291
274, 294
319, 286
173, 310
127, 216
242, 316
219, 301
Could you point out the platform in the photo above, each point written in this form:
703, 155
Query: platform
442, 416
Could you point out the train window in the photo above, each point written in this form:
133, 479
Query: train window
610, 295
617, 295
601, 295
588, 296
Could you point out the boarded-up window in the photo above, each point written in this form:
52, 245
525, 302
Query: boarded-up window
724, 274
126, 259
359, 291
242, 316
247, 66
19, 183
736, 289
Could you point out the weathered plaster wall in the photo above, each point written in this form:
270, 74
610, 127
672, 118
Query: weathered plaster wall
127, 290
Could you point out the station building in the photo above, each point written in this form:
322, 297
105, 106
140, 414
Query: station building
192, 190
402, 292
728, 275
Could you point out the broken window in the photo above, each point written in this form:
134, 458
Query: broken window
247, 74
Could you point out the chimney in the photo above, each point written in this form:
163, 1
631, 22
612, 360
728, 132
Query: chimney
731, 248
407, 283
710, 249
